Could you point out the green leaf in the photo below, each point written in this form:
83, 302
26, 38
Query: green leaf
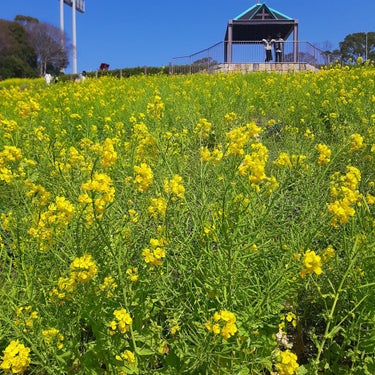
144, 351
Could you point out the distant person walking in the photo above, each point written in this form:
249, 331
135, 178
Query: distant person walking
82, 76
279, 48
268, 43
48, 78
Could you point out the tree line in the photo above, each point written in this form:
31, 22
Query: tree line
29, 48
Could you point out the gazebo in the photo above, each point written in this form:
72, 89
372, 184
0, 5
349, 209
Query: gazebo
257, 23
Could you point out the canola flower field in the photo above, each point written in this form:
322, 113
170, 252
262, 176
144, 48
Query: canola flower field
205, 224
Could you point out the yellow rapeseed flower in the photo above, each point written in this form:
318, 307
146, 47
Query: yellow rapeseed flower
83, 269
175, 186
122, 321
312, 263
287, 363
144, 177
324, 153
224, 324
132, 274
16, 358
53, 336
127, 356
203, 128
108, 285
157, 207
356, 142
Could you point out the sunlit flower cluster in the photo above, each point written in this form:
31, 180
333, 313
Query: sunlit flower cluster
16, 358
283, 160
356, 142
155, 254
239, 137
203, 128
7, 220
344, 194
213, 156
51, 222
8, 156
25, 317
9, 126
37, 193
309, 134
254, 164
287, 363
324, 153
108, 153
156, 108
289, 317
82, 270
175, 187
132, 274
312, 264
126, 356
144, 177
223, 323
29, 108
102, 191
145, 143
108, 286
230, 117
328, 253
157, 207
121, 323
290, 161
53, 337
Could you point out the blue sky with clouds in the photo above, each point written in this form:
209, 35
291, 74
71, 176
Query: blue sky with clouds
137, 33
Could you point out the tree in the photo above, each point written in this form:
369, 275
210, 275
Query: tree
17, 56
50, 44
358, 45
204, 63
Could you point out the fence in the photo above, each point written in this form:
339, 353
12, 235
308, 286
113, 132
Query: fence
210, 59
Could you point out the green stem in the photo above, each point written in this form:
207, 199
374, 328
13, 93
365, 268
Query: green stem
328, 331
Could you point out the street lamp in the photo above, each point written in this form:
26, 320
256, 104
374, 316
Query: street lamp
78, 5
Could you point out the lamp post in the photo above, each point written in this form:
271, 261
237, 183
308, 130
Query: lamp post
77, 5
74, 37
366, 51
62, 26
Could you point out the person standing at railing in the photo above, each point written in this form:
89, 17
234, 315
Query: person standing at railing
268, 43
279, 48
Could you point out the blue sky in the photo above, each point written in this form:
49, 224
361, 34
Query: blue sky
138, 33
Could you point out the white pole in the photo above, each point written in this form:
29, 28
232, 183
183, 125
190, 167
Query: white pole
366, 46
74, 37
62, 25
62, 16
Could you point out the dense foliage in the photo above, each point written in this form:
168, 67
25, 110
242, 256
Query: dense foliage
17, 57
29, 48
206, 224
358, 45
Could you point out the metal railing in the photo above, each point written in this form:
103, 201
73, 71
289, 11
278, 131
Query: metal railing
211, 58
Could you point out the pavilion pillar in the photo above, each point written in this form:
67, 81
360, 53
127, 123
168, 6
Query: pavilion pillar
228, 44
295, 42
